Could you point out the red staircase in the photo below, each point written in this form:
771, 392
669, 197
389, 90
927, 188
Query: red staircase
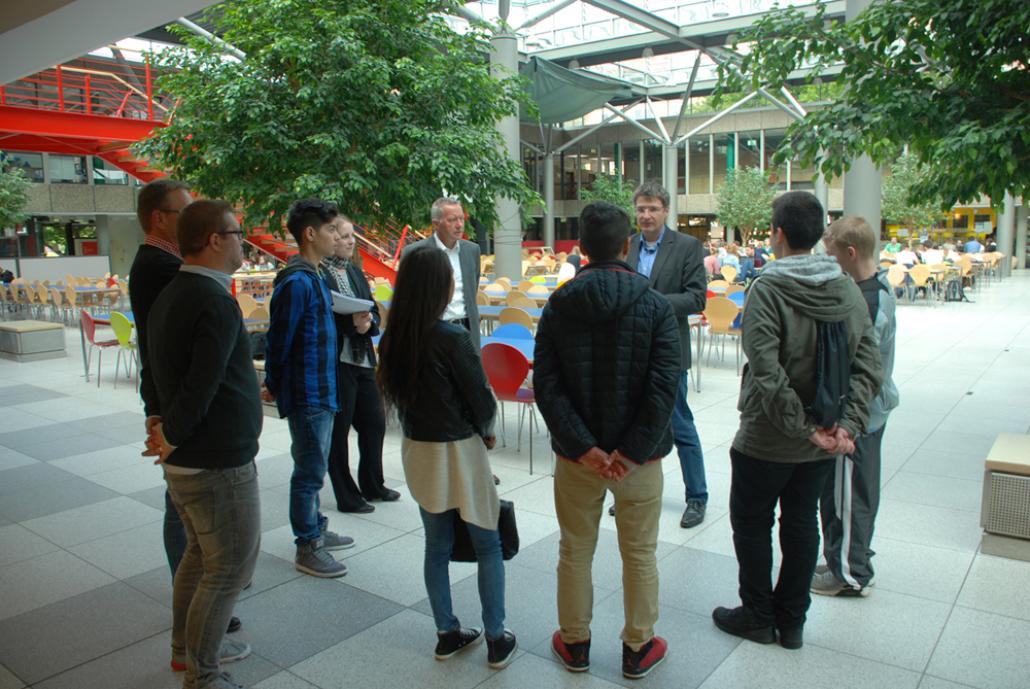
100, 107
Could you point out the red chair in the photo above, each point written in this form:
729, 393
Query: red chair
89, 331
506, 370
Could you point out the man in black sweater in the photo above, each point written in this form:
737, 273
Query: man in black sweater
157, 262
207, 438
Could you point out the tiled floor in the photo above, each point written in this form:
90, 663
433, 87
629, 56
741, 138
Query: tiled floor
84, 588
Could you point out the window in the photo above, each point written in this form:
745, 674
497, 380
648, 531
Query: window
653, 160
698, 156
725, 157
630, 162
67, 169
777, 174
749, 149
29, 163
106, 173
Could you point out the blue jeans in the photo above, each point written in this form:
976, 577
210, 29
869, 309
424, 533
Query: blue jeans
688, 445
487, 544
174, 535
221, 512
311, 430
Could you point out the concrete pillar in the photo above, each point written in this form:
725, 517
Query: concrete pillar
862, 181
119, 236
1020, 254
508, 232
670, 180
1007, 233
822, 189
548, 200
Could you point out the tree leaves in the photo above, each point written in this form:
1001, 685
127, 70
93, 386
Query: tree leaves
14, 196
898, 205
374, 104
745, 200
949, 80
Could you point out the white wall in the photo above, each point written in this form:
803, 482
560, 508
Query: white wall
54, 269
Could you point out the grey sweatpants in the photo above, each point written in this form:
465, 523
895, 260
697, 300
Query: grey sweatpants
848, 508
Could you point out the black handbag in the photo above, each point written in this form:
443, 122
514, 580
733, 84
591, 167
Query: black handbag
463, 550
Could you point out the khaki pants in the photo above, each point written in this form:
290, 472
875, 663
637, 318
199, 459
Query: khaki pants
579, 501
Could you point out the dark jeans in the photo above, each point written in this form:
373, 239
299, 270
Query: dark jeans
362, 407
174, 535
756, 487
688, 445
310, 430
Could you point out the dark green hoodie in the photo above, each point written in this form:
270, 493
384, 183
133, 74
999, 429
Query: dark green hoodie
779, 327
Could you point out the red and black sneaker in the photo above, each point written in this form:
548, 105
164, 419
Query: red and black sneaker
637, 664
575, 657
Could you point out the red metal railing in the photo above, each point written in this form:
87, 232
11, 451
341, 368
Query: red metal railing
91, 86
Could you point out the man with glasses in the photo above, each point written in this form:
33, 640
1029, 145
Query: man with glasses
207, 438
673, 263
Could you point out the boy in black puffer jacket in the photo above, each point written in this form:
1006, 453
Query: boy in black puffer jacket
607, 363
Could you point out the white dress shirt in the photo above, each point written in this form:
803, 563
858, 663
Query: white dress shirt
456, 309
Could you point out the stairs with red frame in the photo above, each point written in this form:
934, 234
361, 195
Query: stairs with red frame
376, 266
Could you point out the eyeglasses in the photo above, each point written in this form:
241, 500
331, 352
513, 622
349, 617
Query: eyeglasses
238, 232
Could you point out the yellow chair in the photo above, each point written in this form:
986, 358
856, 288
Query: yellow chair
482, 299
538, 291
720, 313
920, 275
525, 286
383, 293
504, 282
519, 300
718, 285
729, 273
512, 314
122, 328
538, 280
896, 276
247, 304
733, 289
258, 318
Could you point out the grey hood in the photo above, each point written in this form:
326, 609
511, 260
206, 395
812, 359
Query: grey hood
795, 277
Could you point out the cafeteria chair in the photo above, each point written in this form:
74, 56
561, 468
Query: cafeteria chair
515, 315
506, 370
482, 298
513, 331
920, 275
721, 312
89, 331
247, 304
729, 273
122, 328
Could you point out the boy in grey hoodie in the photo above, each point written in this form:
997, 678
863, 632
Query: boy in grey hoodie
779, 454
851, 496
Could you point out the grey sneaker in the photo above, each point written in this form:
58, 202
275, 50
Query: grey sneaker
827, 584
230, 652
314, 559
693, 515
334, 541
223, 681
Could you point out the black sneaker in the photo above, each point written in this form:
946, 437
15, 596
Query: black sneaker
575, 657
740, 621
792, 637
500, 652
637, 664
234, 625
693, 515
449, 643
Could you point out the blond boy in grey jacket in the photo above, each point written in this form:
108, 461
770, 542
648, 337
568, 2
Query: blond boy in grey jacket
851, 496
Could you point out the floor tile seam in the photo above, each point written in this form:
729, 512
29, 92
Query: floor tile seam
1025, 620
134, 525
951, 612
344, 556
931, 545
928, 473
945, 679
884, 497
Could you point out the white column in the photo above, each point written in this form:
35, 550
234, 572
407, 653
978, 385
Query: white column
548, 201
508, 232
1006, 233
671, 183
1020, 254
862, 181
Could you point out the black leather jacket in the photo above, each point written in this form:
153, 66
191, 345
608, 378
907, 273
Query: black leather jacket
454, 400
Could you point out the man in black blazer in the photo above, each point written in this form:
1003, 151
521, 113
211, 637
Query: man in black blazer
448, 225
673, 263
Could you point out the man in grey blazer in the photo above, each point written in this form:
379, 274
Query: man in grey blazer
448, 225
673, 263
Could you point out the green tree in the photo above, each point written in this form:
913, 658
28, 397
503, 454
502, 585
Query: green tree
948, 79
14, 196
745, 201
377, 105
613, 190
898, 206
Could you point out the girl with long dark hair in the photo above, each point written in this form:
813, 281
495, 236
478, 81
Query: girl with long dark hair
431, 372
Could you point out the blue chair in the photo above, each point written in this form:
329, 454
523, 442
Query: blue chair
513, 331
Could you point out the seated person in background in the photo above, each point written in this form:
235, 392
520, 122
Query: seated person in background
973, 246
893, 246
711, 262
731, 258
907, 257
747, 265
931, 256
568, 269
